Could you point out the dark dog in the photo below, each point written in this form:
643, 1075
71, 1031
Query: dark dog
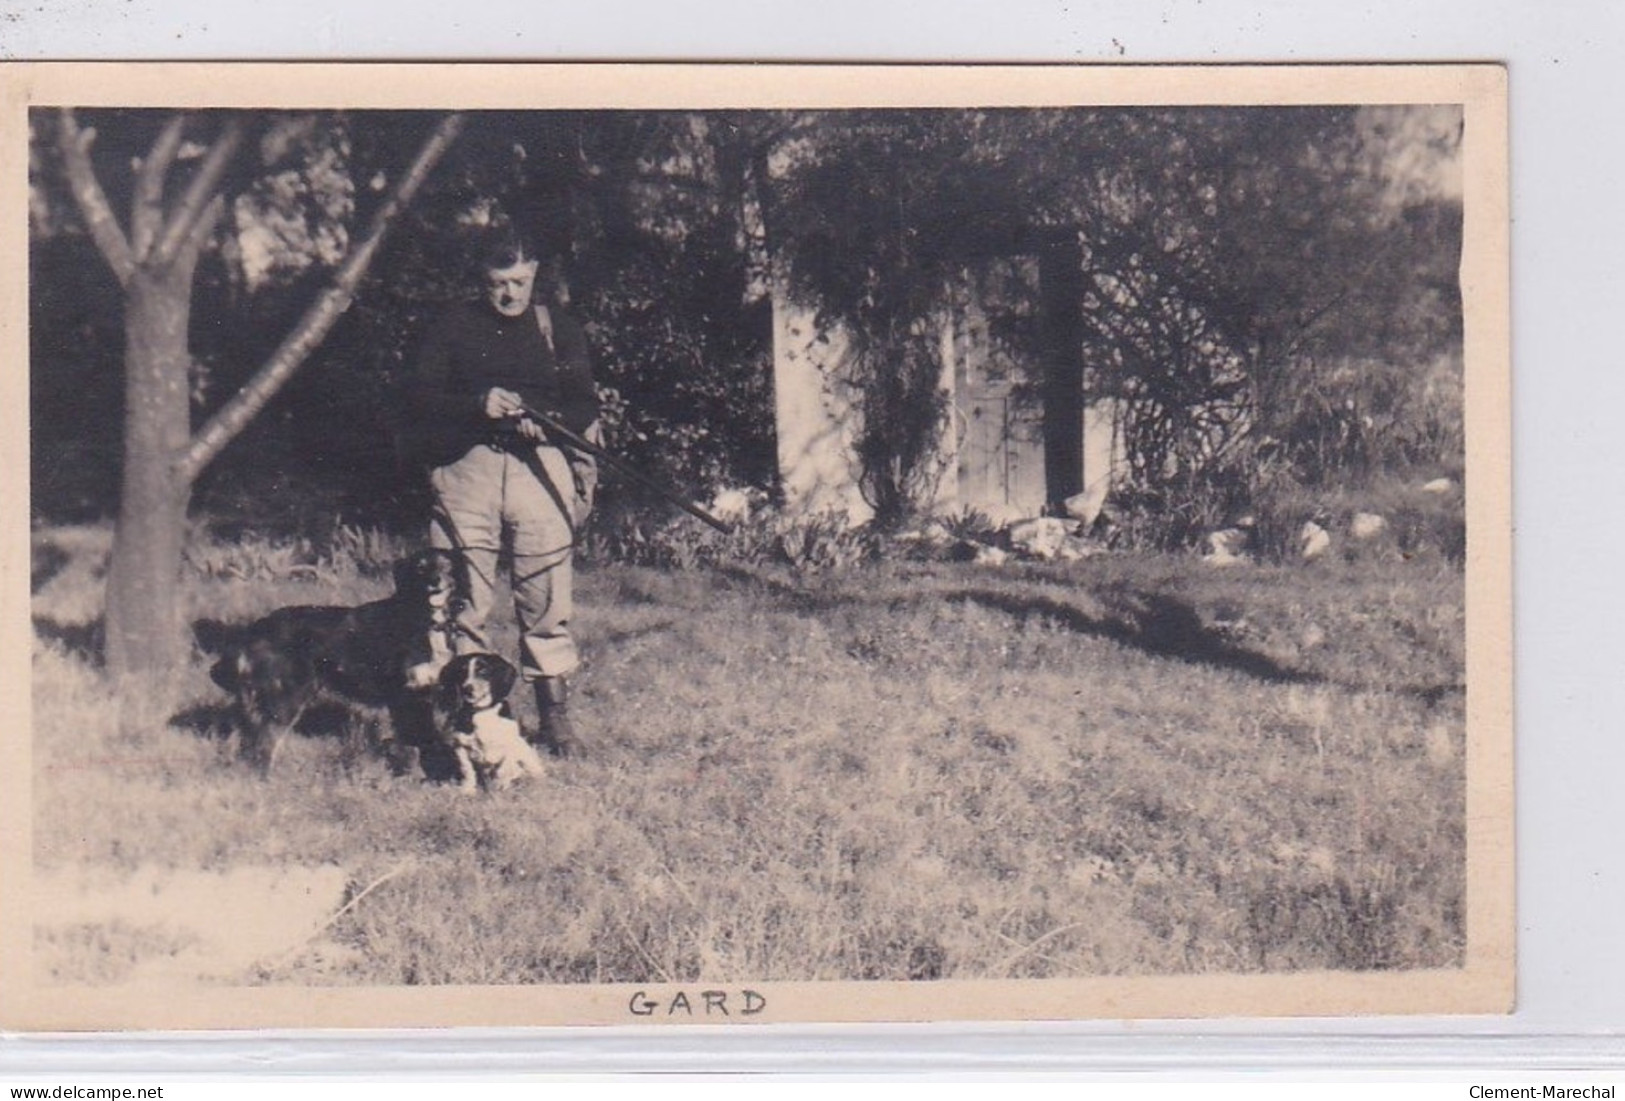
385, 654
491, 750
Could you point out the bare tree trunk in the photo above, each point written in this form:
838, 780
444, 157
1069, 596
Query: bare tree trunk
143, 623
162, 459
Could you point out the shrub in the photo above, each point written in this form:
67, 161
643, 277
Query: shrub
816, 542
343, 550
1276, 503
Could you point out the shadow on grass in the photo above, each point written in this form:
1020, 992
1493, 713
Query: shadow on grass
790, 595
356, 730
1153, 623
403, 736
617, 638
211, 720
218, 719
85, 641
1435, 695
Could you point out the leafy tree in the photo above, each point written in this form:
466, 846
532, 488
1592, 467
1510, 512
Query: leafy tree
291, 209
877, 215
1219, 267
1251, 283
668, 271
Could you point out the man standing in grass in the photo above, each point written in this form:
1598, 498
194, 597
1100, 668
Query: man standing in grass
495, 473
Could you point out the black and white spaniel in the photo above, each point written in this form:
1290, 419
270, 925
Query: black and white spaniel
490, 748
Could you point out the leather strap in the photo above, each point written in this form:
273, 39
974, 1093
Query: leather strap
544, 322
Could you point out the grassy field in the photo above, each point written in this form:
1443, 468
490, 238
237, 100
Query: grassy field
1121, 766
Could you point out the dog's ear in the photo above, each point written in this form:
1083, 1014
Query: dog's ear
452, 671
426, 569
455, 568
503, 676
451, 676
227, 672
407, 571
461, 577
216, 637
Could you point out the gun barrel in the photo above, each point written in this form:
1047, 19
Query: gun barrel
559, 432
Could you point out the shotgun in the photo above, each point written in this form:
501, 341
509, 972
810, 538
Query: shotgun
557, 433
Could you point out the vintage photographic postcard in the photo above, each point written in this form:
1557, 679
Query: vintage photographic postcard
674, 544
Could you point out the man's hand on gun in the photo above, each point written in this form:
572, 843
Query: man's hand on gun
503, 404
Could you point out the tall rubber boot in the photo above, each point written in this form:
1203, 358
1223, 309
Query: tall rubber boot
556, 735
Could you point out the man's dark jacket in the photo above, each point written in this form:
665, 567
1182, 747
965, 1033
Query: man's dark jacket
469, 349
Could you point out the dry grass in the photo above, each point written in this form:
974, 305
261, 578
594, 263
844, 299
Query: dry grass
1117, 767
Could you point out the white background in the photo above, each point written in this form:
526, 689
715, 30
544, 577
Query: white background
1567, 66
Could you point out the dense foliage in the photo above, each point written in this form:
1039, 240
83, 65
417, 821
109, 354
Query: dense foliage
1271, 294
1267, 293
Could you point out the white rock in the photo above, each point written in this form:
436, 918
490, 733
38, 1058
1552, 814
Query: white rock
1439, 485
1076, 548
1227, 543
932, 535
735, 506
1313, 540
1085, 507
990, 556
1041, 538
1367, 525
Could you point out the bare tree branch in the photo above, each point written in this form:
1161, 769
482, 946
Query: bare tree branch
147, 208
202, 229
198, 193
322, 315
91, 199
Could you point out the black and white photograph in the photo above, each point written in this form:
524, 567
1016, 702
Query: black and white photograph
607, 545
